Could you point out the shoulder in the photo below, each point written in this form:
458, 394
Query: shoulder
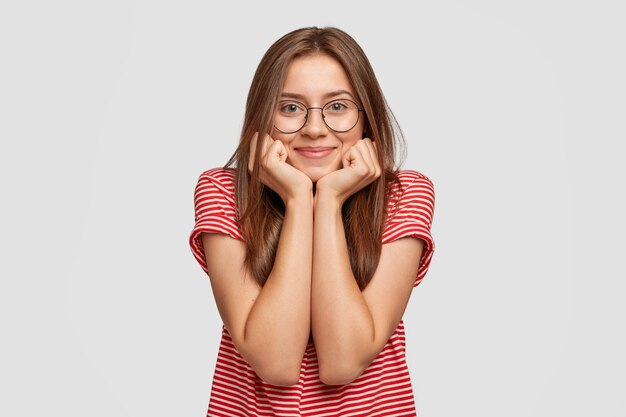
220, 176
222, 179
410, 184
408, 176
410, 208
215, 193
215, 212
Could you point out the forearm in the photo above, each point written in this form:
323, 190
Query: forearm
278, 325
342, 324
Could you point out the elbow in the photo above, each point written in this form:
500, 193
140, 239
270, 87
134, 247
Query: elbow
274, 371
339, 372
274, 368
279, 376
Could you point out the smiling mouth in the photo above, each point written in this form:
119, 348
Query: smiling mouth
315, 152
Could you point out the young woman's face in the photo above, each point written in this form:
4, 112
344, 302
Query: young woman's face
317, 81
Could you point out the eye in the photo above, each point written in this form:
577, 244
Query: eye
338, 106
291, 108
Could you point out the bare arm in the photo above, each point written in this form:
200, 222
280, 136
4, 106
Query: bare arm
270, 326
351, 327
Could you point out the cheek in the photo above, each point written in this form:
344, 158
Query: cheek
285, 139
349, 142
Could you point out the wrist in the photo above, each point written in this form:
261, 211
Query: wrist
326, 200
303, 199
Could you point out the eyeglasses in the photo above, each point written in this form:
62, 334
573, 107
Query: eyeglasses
339, 115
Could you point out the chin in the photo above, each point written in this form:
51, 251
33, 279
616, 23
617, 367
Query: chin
316, 173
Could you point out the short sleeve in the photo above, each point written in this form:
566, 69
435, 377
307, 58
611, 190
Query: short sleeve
214, 202
410, 214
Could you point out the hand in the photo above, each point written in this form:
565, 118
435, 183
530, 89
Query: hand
360, 168
287, 181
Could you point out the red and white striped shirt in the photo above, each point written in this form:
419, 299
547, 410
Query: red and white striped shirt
384, 388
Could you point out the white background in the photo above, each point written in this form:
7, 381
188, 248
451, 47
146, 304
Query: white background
109, 112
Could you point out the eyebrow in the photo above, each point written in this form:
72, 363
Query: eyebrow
324, 97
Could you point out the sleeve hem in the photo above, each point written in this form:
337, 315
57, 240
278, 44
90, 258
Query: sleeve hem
418, 231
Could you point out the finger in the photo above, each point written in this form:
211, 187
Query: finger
265, 145
367, 156
359, 160
371, 145
262, 143
284, 153
276, 152
348, 157
286, 150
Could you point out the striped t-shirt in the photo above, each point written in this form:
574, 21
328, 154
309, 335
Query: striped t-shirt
384, 388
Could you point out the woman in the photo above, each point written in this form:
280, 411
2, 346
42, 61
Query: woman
314, 241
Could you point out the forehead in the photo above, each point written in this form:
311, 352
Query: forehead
313, 76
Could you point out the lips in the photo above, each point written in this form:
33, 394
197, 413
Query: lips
315, 152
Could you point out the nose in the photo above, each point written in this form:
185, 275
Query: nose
314, 126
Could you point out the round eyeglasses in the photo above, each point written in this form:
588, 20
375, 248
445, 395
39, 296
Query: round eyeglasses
339, 115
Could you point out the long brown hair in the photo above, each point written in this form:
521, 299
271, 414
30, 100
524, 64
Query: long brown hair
260, 209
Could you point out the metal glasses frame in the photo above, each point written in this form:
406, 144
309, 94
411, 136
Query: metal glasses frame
306, 116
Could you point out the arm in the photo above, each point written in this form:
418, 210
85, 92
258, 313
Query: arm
270, 326
350, 327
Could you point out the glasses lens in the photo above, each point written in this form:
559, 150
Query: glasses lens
290, 116
341, 115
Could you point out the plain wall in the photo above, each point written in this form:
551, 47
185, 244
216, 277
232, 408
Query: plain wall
109, 112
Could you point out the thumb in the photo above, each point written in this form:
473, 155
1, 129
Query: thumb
283, 153
348, 158
277, 151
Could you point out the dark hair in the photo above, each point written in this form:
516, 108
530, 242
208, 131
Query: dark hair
260, 209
